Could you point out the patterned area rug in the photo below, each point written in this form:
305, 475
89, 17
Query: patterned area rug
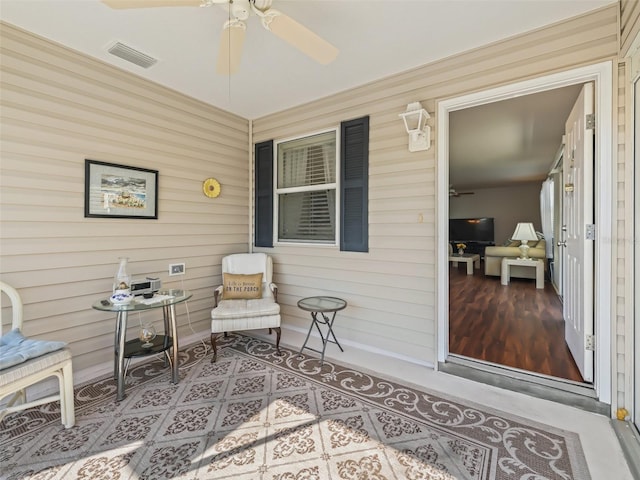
255, 415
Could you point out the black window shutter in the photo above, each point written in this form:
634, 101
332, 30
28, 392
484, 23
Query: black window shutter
354, 185
264, 194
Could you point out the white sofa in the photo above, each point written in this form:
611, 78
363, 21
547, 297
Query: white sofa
493, 258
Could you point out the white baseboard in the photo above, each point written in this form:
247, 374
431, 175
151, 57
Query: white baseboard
293, 339
50, 385
301, 333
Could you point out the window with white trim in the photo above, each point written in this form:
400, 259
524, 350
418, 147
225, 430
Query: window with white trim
306, 189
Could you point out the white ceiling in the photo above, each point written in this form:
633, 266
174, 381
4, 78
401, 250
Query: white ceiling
510, 141
376, 39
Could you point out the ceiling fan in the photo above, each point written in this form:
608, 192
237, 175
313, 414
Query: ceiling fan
454, 193
233, 32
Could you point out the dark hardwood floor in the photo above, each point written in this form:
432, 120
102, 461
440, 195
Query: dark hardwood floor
515, 325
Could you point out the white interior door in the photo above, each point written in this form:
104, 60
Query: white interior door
577, 216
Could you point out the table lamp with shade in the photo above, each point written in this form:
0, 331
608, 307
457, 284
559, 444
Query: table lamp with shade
525, 233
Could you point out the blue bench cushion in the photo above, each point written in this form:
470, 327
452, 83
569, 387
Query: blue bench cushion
15, 348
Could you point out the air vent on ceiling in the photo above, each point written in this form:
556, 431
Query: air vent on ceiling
132, 55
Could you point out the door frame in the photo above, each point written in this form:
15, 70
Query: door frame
632, 247
602, 75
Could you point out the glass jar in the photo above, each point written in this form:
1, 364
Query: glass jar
122, 279
146, 334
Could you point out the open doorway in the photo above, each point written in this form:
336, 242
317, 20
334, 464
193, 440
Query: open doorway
504, 168
601, 76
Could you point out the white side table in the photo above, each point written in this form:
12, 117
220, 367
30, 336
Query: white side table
505, 274
469, 258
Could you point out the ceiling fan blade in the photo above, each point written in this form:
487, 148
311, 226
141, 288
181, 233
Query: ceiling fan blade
230, 52
123, 4
300, 37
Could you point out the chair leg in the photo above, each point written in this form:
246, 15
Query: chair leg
213, 346
277, 329
66, 396
18, 398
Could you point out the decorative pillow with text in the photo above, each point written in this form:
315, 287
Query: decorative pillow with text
245, 287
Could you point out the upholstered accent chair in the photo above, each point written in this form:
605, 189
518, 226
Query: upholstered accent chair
25, 362
247, 299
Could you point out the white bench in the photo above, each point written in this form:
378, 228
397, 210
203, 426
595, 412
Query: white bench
16, 378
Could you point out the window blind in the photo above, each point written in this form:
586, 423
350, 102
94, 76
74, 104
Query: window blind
306, 210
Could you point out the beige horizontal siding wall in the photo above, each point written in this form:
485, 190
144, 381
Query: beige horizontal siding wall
629, 24
391, 290
59, 108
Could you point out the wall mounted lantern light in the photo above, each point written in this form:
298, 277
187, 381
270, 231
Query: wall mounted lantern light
415, 122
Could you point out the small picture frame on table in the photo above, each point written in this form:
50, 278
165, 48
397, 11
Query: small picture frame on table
120, 191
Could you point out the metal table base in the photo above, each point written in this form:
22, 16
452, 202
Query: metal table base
169, 348
325, 339
323, 312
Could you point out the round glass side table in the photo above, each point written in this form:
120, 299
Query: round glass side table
323, 312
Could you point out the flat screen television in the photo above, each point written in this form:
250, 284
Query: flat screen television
471, 229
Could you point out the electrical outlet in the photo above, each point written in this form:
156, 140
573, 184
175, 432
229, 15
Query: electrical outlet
176, 269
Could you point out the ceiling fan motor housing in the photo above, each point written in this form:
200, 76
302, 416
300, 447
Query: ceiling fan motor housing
240, 9
262, 5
